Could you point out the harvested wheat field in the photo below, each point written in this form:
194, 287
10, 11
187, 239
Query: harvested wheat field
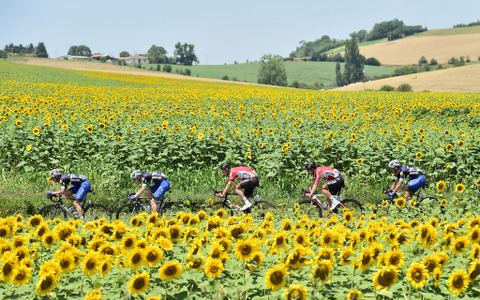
462, 80
409, 50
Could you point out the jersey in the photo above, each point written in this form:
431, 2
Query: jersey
241, 173
410, 173
326, 173
72, 179
153, 178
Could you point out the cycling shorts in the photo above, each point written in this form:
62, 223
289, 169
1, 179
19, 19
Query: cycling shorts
160, 189
415, 184
80, 190
249, 185
335, 185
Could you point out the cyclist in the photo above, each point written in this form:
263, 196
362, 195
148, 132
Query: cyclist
415, 179
160, 186
248, 180
334, 182
81, 187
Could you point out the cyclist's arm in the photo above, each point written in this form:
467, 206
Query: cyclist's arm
227, 187
313, 187
60, 192
396, 185
140, 191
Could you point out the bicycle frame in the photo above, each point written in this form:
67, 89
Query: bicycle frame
59, 203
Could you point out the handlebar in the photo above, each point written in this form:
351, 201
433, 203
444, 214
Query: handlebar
227, 194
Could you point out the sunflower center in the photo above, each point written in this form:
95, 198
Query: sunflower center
386, 278
171, 270
151, 256
276, 278
139, 283
458, 282
137, 258
46, 283
246, 250
90, 264
7, 269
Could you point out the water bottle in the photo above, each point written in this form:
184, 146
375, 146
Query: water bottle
149, 209
88, 201
340, 198
256, 197
422, 195
70, 210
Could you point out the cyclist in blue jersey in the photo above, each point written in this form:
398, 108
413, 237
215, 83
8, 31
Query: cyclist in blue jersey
415, 179
80, 187
156, 191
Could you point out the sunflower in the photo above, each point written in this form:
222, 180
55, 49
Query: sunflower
8, 266
458, 282
444, 202
460, 143
460, 188
354, 295
385, 278
90, 263
21, 275
245, 249
35, 221
18, 122
395, 258
213, 267
170, 270
365, 260
50, 267
478, 182
176, 233
221, 139
417, 275
64, 127
257, 259
29, 148
139, 283
346, 256
275, 277
385, 204
295, 291
419, 155
474, 270
360, 161
89, 128
321, 270
441, 185
135, 258
153, 255
449, 147
400, 202
66, 262
460, 245
94, 295
128, 241
119, 139
106, 264
45, 285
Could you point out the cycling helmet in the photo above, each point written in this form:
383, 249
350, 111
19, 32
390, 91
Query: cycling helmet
225, 165
310, 165
55, 173
394, 164
135, 174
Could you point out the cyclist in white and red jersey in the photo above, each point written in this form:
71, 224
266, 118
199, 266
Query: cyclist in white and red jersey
248, 180
334, 182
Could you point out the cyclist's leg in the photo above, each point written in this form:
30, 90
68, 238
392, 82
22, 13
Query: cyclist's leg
248, 185
81, 193
332, 187
413, 185
150, 194
160, 192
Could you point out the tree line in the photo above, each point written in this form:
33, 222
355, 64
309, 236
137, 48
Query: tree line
38, 51
392, 30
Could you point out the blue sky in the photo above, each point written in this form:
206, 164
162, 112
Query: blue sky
222, 31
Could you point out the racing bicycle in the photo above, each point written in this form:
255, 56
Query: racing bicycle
315, 206
423, 205
259, 208
91, 211
141, 204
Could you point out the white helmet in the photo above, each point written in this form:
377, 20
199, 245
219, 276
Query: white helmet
55, 173
135, 174
394, 164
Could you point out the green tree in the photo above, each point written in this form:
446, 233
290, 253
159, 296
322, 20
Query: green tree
422, 61
157, 55
124, 54
272, 71
339, 78
185, 54
81, 50
354, 62
41, 51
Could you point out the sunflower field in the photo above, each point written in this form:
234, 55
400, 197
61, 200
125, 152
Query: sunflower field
105, 125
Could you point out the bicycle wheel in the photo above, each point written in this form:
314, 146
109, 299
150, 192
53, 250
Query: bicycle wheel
352, 206
170, 209
128, 210
430, 207
261, 208
305, 207
96, 211
222, 204
382, 209
52, 211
